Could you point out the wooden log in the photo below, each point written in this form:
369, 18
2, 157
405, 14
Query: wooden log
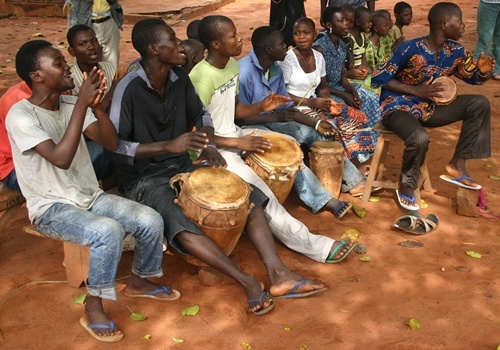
467, 202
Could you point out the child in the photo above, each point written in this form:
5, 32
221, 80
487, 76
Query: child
362, 27
194, 51
388, 40
376, 50
403, 14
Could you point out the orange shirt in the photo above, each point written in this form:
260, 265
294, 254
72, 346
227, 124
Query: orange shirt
15, 94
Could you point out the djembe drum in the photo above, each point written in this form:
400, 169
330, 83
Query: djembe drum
278, 166
218, 202
326, 160
449, 94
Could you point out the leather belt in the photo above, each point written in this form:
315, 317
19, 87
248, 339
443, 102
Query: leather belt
100, 20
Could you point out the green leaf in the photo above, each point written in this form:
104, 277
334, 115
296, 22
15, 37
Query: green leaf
361, 212
247, 346
303, 347
193, 155
147, 337
423, 204
178, 340
80, 299
414, 324
351, 234
190, 311
287, 329
495, 178
487, 165
168, 15
135, 316
365, 258
374, 199
474, 254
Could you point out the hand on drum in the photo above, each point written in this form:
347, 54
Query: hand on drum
194, 141
253, 143
430, 90
485, 64
326, 129
273, 101
212, 157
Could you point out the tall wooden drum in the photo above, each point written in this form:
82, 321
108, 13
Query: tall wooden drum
218, 202
326, 160
278, 167
449, 94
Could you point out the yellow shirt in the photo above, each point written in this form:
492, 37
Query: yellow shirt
99, 7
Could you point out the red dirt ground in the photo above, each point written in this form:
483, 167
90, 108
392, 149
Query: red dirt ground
456, 298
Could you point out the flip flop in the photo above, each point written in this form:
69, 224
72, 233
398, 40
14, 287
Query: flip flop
359, 194
264, 296
292, 295
409, 199
407, 222
456, 181
423, 226
331, 260
152, 294
102, 338
342, 210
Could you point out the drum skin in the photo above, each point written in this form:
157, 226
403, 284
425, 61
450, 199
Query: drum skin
277, 167
218, 202
449, 93
326, 160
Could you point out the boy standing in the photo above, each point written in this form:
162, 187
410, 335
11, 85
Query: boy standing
403, 14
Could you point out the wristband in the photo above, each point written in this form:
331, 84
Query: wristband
213, 146
481, 74
317, 124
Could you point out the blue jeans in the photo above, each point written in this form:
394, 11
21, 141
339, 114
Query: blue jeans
11, 181
102, 228
488, 32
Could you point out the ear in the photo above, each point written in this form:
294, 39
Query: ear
268, 49
35, 76
152, 49
193, 59
215, 44
71, 51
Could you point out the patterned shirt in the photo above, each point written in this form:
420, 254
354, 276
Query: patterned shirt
378, 54
413, 63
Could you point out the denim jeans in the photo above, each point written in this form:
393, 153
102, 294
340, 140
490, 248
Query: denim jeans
11, 181
488, 32
102, 228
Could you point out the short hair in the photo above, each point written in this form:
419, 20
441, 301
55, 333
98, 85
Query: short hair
192, 44
209, 29
306, 20
347, 8
77, 28
377, 19
361, 11
401, 6
145, 33
441, 11
192, 29
27, 58
262, 38
328, 13
383, 12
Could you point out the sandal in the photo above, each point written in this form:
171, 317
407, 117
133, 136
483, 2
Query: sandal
408, 221
423, 226
342, 210
331, 260
261, 300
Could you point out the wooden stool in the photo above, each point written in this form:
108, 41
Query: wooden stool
378, 166
76, 259
10, 202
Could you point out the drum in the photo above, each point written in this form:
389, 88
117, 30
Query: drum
326, 160
218, 202
449, 93
278, 167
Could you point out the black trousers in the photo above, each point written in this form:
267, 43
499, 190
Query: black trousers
473, 142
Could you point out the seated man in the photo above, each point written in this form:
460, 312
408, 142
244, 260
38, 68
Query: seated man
194, 51
216, 80
151, 109
261, 75
408, 99
62, 194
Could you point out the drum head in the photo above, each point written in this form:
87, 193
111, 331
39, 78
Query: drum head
330, 145
217, 187
284, 151
450, 90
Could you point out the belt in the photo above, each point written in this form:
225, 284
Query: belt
100, 20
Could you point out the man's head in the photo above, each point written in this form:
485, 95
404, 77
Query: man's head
446, 17
218, 33
403, 13
334, 21
152, 37
194, 51
192, 29
39, 62
83, 44
268, 41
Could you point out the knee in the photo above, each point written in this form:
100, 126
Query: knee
152, 220
480, 104
420, 139
110, 233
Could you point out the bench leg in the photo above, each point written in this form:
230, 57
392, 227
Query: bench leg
76, 260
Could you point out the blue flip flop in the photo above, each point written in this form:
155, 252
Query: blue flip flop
409, 199
291, 294
152, 295
264, 296
340, 212
103, 338
456, 181
331, 260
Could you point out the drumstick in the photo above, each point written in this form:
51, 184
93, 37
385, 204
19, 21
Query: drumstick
307, 92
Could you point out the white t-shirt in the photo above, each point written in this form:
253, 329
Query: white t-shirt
41, 182
298, 82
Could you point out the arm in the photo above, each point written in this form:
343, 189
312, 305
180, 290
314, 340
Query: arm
371, 5
248, 143
270, 103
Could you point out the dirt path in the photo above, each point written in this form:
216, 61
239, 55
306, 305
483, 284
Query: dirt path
456, 298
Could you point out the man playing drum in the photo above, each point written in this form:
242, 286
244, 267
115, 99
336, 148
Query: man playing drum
408, 99
151, 109
216, 80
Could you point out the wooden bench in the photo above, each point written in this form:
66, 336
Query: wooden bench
10, 202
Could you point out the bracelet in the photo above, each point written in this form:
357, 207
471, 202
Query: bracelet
481, 74
213, 146
317, 124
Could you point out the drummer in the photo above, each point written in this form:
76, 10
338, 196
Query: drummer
408, 106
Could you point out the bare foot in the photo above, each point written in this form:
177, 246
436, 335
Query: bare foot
138, 286
341, 252
289, 283
259, 301
458, 171
95, 315
358, 189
